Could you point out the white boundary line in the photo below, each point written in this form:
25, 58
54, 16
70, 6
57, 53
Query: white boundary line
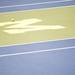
38, 42
33, 52
57, 7
36, 3
40, 9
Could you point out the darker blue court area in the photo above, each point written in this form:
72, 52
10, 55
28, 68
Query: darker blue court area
20, 5
58, 62
20, 2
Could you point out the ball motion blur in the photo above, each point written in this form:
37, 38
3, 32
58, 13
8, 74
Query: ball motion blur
12, 19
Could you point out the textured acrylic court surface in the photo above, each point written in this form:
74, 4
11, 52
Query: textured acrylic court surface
19, 2
64, 16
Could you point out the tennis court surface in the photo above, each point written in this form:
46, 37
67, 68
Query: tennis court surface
37, 37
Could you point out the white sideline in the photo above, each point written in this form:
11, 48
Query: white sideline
33, 52
38, 42
36, 3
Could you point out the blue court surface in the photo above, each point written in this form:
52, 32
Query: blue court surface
16, 5
53, 57
44, 58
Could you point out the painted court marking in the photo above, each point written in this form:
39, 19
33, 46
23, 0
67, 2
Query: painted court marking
38, 42
20, 23
36, 3
33, 52
50, 8
25, 25
34, 28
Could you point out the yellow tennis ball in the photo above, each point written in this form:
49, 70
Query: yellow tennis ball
12, 19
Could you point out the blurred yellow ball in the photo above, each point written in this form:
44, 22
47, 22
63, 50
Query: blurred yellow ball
12, 19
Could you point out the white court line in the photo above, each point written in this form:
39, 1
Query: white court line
8, 12
36, 3
46, 8
29, 28
33, 52
38, 42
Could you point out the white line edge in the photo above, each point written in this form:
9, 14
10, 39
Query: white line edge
36, 3
33, 52
38, 42
40, 9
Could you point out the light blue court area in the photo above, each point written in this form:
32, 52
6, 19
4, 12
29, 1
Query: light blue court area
15, 5
42, 58
19, 2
